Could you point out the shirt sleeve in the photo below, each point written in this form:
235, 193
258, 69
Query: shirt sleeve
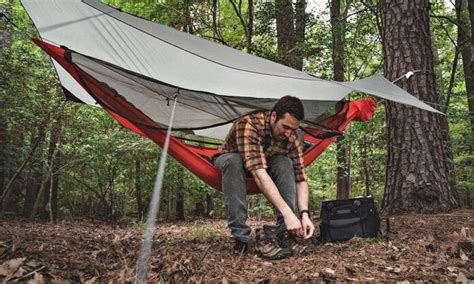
249, 144
296, 156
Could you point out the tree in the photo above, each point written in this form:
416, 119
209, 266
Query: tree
338, 27
419, 174
285, 32
466, 46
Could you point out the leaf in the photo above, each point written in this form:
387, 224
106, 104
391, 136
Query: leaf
463, 232
463, 255
329, 272
12, 265
4, 271
39, 278
462, 278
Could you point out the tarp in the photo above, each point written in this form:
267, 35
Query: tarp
149, 64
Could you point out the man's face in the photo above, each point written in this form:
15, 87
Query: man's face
284, 127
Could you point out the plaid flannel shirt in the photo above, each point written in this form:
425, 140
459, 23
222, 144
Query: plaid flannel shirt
249, 136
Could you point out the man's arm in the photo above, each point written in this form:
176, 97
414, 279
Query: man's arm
270, 191
302, 195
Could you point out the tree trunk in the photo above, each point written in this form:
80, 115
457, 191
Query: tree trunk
338, 24
419, 174
209, 205
180, 195
50, 200
466, 45
138, 190
169, 206
249, 33
33, 188
55, 139
8, 189
285, 33
300, 28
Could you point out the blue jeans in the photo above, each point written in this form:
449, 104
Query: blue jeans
231, 166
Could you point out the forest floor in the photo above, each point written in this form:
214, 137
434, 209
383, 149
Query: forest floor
436, 248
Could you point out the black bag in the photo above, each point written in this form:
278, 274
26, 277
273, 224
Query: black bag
343, 219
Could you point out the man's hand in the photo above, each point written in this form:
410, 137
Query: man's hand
293, 225
308, 227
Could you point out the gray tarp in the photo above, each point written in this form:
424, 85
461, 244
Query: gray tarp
149, 62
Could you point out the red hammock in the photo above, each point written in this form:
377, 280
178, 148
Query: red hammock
193, 157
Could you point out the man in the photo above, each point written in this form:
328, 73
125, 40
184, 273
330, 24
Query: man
266, 145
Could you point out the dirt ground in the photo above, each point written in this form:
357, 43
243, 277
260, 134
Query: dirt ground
435, 248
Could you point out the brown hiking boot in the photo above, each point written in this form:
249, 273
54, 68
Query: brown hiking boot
268, 246
298, 247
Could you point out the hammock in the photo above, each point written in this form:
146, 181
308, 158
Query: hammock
194, 158
133, 68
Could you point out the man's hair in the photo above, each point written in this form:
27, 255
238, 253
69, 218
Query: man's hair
291, 105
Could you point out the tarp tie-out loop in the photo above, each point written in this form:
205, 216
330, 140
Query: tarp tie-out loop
145, 251
174, 98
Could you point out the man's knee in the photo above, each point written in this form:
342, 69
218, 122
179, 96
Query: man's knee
230, 162
280, 164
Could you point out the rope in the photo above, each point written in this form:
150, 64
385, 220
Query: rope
145, 251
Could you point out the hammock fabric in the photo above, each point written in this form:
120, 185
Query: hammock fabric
196, 159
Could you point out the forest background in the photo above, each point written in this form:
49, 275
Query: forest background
63, 159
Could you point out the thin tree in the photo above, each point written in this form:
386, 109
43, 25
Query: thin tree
419, 172
466, 45
338, 11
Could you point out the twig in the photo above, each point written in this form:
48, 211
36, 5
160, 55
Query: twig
29, 274
204, 254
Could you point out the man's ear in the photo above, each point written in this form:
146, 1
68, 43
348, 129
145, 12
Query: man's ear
273, 117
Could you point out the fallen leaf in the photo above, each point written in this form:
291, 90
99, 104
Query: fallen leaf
463, 255
12, 265
329, 272
463, 232
38, 278
92, 280
267, 264
4, 271
462, 278
451, 269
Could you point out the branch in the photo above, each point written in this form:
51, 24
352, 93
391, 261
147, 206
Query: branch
446, 18
239, 15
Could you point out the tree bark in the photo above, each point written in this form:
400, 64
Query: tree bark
180, 195
249, 33
8, 189
55, 139
338, 24
300, 28
32, 189
466, 45
419, 172
51, 198
285, 33
209, 205
138, 190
